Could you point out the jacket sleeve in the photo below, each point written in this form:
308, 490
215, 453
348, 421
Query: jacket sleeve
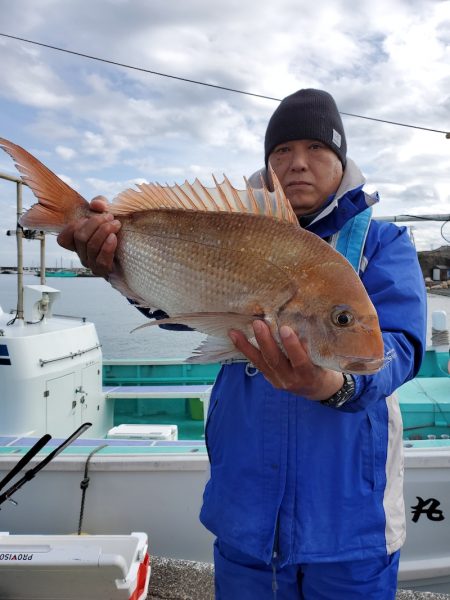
394, 282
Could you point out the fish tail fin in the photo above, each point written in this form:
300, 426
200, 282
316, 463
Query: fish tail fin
58, 204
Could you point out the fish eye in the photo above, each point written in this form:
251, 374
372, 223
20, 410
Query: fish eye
342, 318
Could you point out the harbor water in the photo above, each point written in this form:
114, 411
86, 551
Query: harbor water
114, 317
94, 299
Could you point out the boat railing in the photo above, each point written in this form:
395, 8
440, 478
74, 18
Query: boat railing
20, 234
410, 218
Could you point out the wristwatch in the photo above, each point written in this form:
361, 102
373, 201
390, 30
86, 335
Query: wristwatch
343, 395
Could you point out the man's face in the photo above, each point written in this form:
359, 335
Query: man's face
309, 171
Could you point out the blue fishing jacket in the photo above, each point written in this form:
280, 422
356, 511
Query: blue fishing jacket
318, 483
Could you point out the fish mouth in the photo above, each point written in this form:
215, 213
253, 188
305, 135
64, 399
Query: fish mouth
361, 366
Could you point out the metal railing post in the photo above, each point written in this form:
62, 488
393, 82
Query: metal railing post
19, 238
42, 259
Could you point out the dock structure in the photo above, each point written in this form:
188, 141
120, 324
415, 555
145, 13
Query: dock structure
173, 579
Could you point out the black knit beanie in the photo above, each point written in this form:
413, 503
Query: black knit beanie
307, 115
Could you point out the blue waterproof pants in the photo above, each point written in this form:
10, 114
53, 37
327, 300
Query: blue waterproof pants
242, 577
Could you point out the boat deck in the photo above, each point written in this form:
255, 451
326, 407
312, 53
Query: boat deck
158, 391
182, 404
19, 446
84, 446
425, 406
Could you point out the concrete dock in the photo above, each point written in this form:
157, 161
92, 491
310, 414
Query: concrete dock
186, 580
408, 595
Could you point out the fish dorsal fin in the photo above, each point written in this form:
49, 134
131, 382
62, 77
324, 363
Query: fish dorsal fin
196, 197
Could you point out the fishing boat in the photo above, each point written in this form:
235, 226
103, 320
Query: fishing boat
59, 273
140, 462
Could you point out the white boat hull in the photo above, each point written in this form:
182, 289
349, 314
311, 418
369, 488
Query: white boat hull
425, 557
162, 497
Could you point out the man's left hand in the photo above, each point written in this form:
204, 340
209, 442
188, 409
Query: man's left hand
293, 371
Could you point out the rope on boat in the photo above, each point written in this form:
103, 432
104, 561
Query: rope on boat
84, 484
439, 337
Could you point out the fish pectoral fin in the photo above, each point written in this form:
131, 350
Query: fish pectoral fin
216, 324
214, 349
217, 347
149, 324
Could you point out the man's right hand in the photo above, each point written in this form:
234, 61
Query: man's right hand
94, 239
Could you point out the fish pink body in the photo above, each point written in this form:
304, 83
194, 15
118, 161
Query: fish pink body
217, 259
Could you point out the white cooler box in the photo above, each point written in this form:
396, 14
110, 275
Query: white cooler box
68, 567
144, 432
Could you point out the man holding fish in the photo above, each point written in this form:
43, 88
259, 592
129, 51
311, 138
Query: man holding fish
305, 494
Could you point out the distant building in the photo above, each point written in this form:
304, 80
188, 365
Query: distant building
440, 273
435, 264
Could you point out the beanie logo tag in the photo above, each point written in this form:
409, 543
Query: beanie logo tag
336, 138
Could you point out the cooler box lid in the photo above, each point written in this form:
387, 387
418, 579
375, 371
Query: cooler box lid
70, 567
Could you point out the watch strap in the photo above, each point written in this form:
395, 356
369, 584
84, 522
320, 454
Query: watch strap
343, 395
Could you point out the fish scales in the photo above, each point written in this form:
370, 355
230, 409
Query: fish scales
185, 261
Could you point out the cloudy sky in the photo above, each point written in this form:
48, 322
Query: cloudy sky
103, 127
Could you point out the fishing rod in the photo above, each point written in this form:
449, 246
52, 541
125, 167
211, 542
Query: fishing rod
44, 462
25, 459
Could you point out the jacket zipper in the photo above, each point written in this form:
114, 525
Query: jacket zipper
275, 556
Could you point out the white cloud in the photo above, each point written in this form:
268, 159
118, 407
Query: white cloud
31, 81
66, 153
104, 126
